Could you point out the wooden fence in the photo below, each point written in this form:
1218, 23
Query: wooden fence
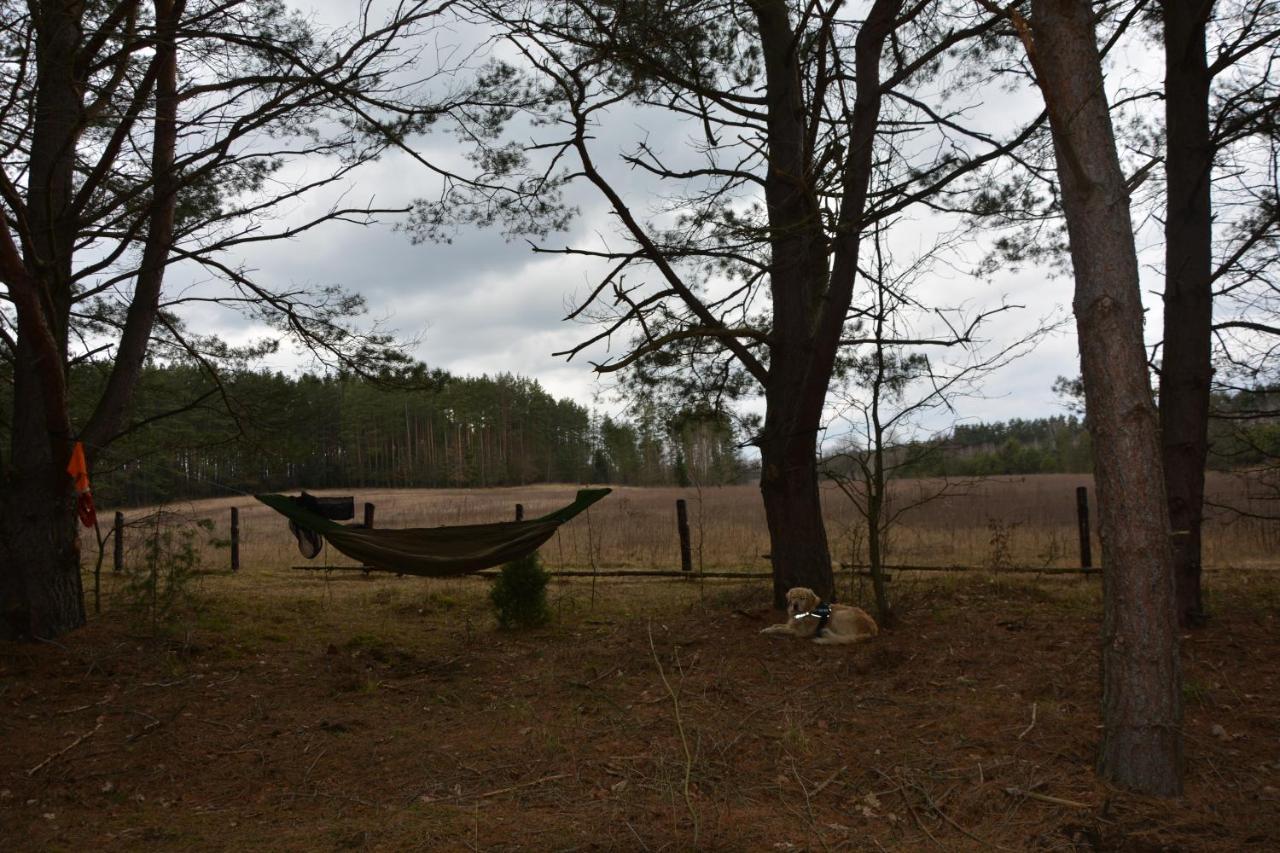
686, 571
686, 555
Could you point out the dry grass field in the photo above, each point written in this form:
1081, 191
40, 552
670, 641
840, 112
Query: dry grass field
997, 523
285, 711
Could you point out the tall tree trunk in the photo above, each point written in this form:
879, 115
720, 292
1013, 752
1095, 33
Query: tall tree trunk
793, 509
876, 531
797, 278
40, 588
135, 338
811, 291
1141, 679
1187, 367
877, 488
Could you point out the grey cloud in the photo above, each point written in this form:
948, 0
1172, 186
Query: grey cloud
481, 304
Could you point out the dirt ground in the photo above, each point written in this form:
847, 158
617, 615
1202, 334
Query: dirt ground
290, 712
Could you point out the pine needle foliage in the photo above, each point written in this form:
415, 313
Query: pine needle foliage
520, 594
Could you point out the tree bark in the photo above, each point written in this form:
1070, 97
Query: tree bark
40, 586
875, 547
1187, 367
145, 304
1141, 680
810, 291
877, 487
798, 544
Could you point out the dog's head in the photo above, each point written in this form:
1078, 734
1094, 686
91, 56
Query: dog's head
801, 599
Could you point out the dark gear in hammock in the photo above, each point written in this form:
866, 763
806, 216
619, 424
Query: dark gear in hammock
332, 508
309, 542
434, 551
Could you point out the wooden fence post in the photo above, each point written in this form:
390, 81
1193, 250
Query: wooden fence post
519, 512
117, 564
235, 539
682, 525
1082, 519
368, 516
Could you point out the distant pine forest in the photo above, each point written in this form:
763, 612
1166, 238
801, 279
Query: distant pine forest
255, 431
258, 430
1244, 432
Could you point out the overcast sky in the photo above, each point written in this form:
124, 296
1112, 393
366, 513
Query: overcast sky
481, 305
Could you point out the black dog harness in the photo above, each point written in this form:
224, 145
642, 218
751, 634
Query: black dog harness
822, 613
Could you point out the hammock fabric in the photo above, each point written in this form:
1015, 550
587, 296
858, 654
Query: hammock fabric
435, 551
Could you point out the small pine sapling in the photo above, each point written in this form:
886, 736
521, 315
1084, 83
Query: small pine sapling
520, 594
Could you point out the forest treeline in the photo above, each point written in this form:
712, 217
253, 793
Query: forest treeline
1052, 445
252, 431
1243, 433
419, 428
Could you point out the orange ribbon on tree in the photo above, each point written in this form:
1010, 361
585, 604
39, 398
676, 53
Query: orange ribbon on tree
78, 469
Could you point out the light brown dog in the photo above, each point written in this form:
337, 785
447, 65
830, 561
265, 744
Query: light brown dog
844, 623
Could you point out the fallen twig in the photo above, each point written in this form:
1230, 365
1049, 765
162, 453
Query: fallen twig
510, 788
1045, 798
825, 782
585, 684
34, 770
1033, 722
742, 729
306, 777
168, 683
684, 740
80, 708
911, 809
939, 812
146, 730
637, 835
808, 808
320, 794
220, 725
494, 793
958, 828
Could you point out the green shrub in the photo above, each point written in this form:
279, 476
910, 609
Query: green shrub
520, 594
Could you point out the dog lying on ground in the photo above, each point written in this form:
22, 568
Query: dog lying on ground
830, 624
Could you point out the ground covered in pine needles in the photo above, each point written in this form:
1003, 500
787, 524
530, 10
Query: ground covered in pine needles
281, 712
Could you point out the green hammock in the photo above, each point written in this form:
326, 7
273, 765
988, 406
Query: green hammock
435, 551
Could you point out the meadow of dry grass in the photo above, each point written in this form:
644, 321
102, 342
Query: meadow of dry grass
996, 523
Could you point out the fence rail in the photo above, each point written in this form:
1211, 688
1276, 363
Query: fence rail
859, 570
686, 569
679, 574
